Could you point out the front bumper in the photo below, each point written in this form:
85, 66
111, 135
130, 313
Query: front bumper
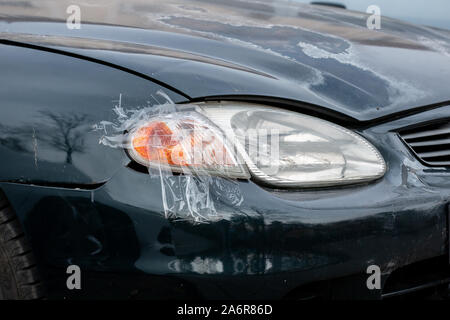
275, 244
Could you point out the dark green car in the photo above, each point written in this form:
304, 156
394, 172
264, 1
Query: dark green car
221, 150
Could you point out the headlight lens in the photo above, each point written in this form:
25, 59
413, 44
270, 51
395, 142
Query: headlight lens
184, 142
278, 147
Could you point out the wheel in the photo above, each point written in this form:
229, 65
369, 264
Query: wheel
19, 277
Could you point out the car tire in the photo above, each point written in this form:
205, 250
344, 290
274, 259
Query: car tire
19, 276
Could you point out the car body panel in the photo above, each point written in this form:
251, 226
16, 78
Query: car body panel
47, 122
81, 203
323, 56
285, 238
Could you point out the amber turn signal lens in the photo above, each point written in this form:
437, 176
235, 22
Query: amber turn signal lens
153, 142
181, 142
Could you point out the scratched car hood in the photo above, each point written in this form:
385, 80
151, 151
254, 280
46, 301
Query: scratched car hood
321, 56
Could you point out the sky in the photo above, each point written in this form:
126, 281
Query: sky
435, 13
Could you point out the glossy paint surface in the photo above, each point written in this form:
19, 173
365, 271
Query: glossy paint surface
323, 56
80, 203
50, 106
274, 242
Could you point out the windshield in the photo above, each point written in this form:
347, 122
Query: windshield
434, 13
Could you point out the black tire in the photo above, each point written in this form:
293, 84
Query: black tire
19, 276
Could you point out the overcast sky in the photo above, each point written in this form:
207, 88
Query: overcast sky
429, 12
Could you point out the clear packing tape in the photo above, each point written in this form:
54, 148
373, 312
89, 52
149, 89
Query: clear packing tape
197, 180
199, 152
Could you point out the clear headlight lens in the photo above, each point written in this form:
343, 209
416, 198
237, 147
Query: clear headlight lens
285, 148
278, 147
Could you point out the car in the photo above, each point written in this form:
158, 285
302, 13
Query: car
324, 152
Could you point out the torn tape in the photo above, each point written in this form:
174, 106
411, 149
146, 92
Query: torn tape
196, 164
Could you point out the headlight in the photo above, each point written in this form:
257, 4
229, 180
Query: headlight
278, 147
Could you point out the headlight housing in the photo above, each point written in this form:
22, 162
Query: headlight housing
276, 147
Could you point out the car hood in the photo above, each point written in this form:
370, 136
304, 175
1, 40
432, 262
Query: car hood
320, 56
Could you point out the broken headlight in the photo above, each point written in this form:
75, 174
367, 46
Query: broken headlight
277, 147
